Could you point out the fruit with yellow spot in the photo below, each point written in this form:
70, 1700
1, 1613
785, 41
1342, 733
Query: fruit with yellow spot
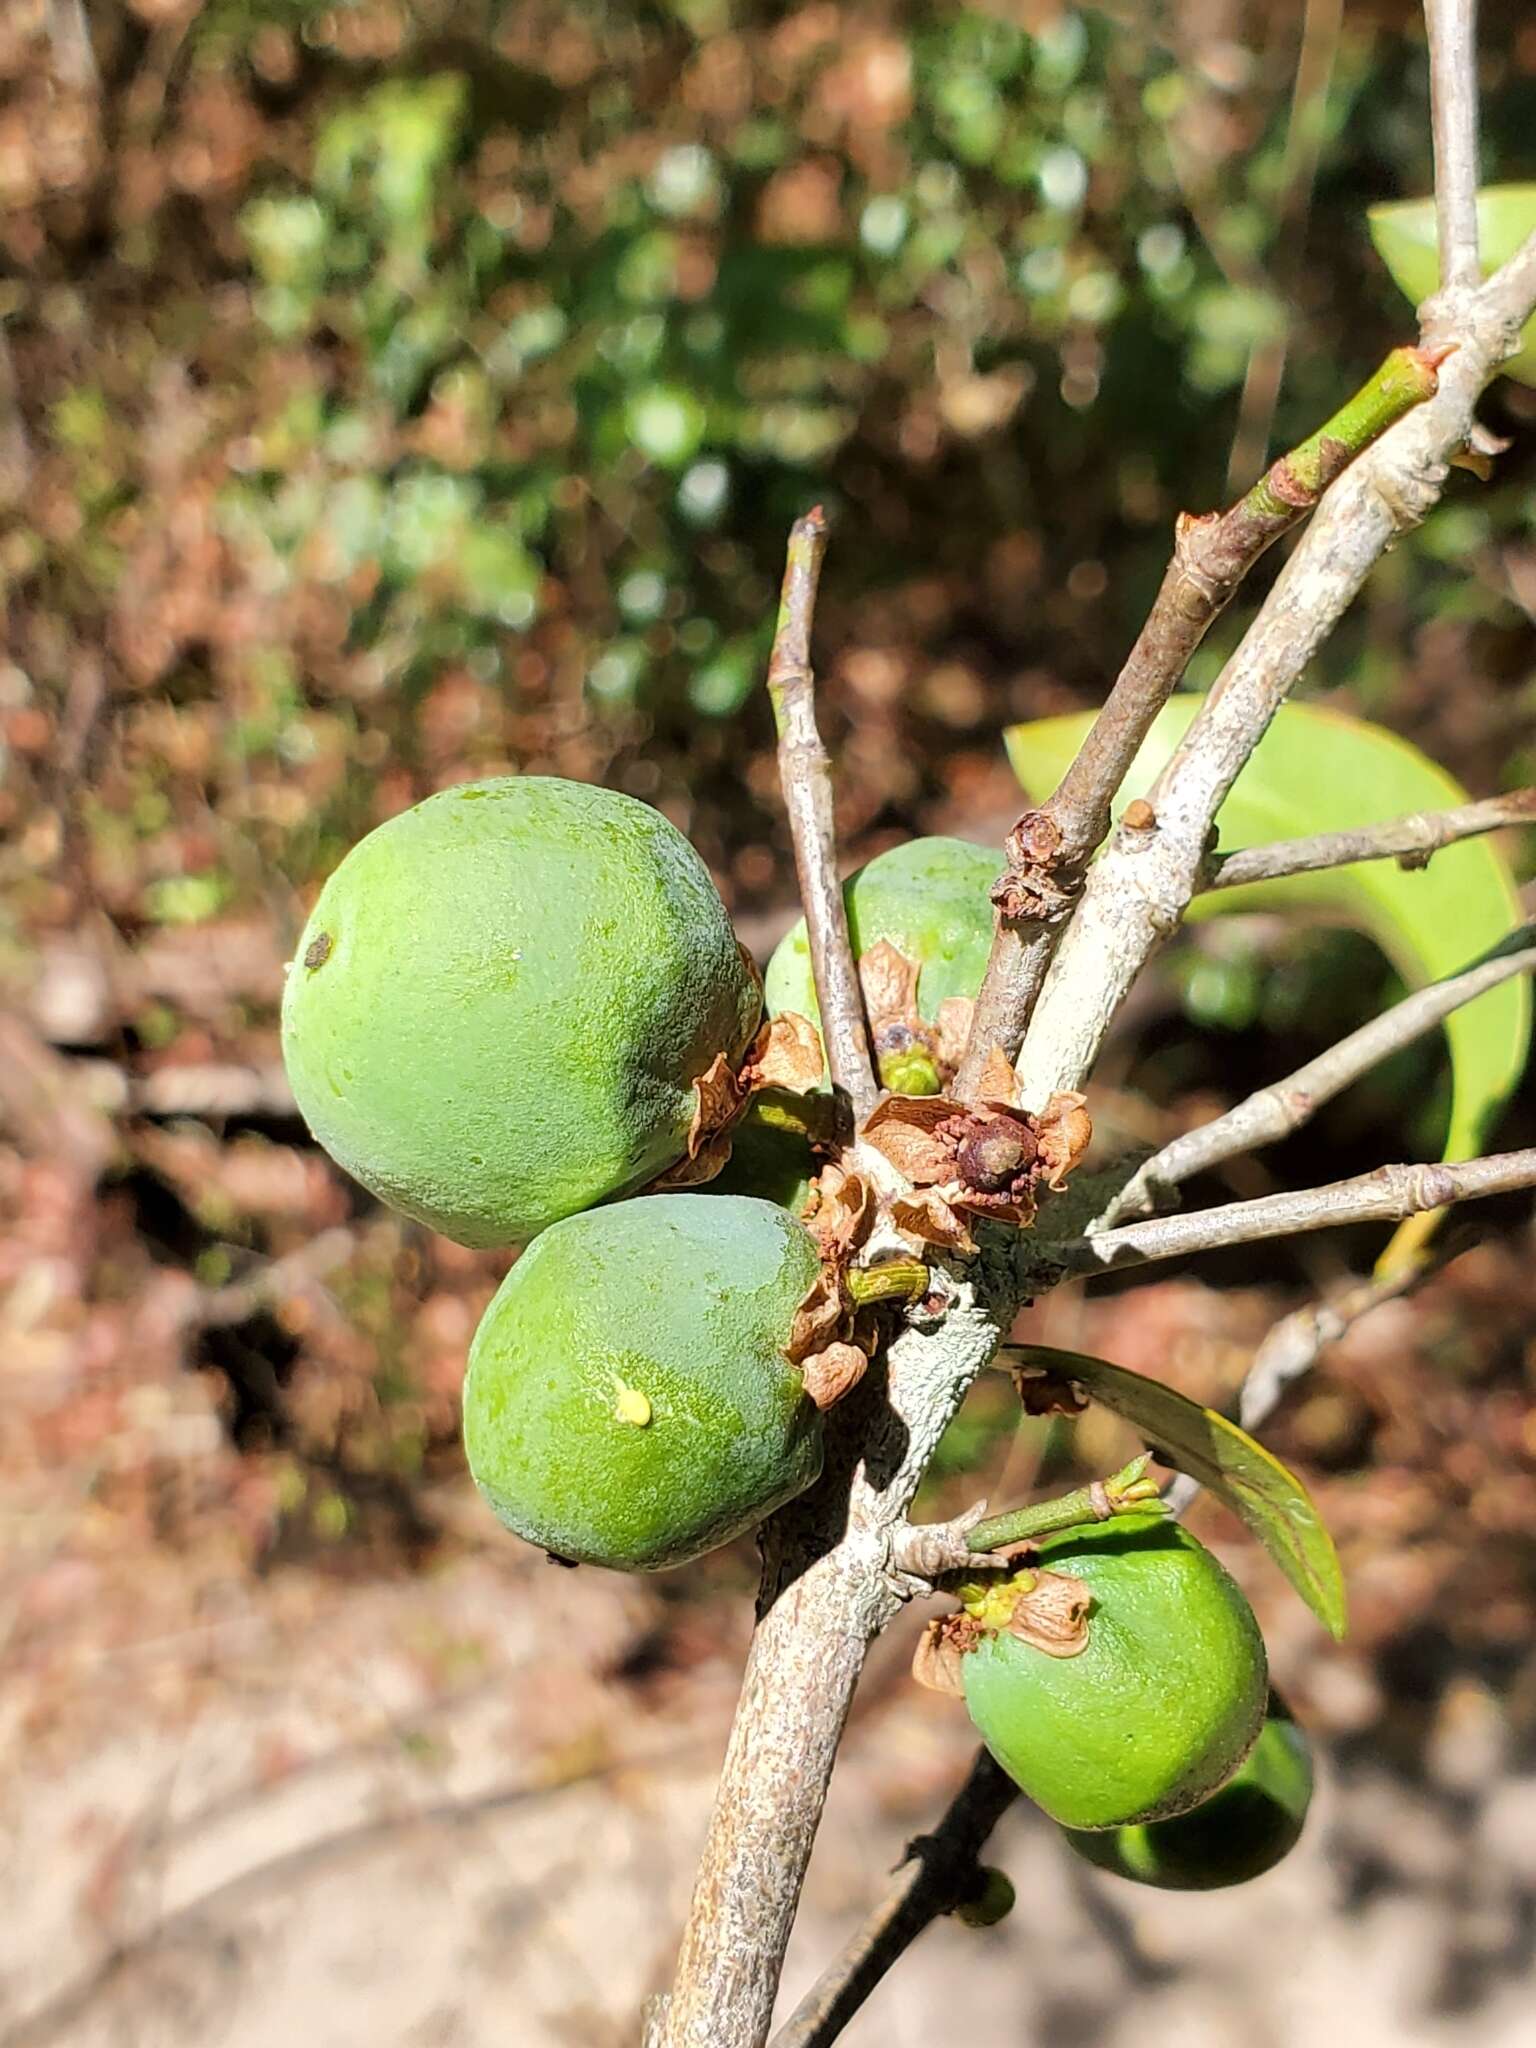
628, 1401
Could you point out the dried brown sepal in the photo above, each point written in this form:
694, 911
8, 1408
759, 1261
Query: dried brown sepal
1043, 1393
999, 1083
1064, 1133
1053, 1615
951, 1030
694, 1168
908, 1130
927, 1218
718, 1100
716, 1103
787, 1053
1029, 887
941, 1649
841, 1213
823, 1317
831, 1373
889, 981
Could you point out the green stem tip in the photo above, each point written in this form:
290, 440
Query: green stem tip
892, 1280
1298, 480
1125, 1492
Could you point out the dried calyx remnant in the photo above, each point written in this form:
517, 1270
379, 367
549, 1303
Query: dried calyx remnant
1049, 1610
991, 1160
961, 1165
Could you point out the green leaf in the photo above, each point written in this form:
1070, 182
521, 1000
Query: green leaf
1406, 240
1251, 1481
1317, 770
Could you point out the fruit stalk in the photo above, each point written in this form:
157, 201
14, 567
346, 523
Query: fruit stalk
1125, 1492
806, 775
1049, 848
891, 1280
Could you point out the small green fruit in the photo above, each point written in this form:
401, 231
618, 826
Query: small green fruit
628, 1401
993, 1902
1246, 1828
773, 1164
502, 1000
931, 900
1161, 1706
1407, 241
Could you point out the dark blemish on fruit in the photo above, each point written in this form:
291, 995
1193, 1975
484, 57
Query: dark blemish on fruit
472, 796
318, 951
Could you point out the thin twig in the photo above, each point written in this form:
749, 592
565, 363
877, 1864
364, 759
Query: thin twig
1452, 26
1385, 1196
940, 1872
1284, 1106
1295, 1343
806, 775
1048, 848
1409, 840
829, 1587
1141, 885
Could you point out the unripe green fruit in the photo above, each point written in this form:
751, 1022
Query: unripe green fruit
1246, 1828
772, 1164
931, 900
1161, 1706
993, 1902
502, 1000
628, 1401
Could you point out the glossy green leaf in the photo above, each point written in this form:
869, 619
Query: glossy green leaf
1407, 241
1252, 1482
1319, 771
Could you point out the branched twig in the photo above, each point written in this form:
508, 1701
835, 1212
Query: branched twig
940, 1872
1048, 848
830, 1584
806, 775
1452, 26
831, 1580
1140, 887
1297, 1341
1272, 1112
1409, 841
1385, 1196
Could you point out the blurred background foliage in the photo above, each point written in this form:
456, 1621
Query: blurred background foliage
432, 385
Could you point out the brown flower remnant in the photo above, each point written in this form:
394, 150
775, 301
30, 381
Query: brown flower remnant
989, 1161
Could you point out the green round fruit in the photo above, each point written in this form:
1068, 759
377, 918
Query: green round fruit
771, 1163
993, 1901
1246, 1828
931, 900
628, 1401
502, 999
1161, 1706
1407, 240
